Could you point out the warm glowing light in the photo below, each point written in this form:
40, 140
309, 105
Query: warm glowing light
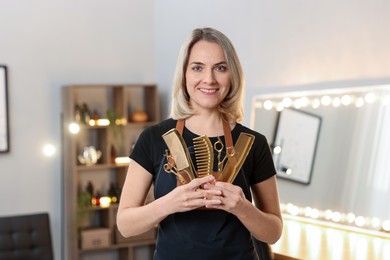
289, 171
370, 98
336, 216
304, 101
277, 149
268, 104
386, 225
297, 103
328, 214
49, 150
258, 105
307, 211
121, 121
279, 107
103, 122
121, 160
315, 213
326, 100
351, 218
74, 128
386, 100
316, 103
292, 209
360, 221
92, 122
105, 201
336, 102
346, 100
375, 222
359, 102
287, 102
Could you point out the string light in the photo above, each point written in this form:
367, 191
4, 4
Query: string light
328, 215
358, 98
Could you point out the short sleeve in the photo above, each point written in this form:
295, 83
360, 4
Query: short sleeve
263, 164
142, 152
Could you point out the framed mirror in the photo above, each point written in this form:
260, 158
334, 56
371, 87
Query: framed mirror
294, 145
351, 171
4, 128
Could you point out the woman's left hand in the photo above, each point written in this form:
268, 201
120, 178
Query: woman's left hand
232, 197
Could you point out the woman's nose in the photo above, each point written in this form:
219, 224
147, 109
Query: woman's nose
209, 77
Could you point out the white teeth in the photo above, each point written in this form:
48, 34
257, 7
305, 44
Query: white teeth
208, 90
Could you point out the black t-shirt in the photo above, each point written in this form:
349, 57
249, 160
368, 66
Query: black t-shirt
201, 234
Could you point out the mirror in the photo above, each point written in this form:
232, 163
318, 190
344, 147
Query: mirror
350, 174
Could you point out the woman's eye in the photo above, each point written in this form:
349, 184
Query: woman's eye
196, 68
221, 68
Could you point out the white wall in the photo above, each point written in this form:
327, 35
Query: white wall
47, 44
284, 43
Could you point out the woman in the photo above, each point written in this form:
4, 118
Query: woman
218, 220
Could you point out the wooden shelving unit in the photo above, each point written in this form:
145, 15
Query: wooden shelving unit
116, 102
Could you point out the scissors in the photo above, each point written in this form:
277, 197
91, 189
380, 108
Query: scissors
170, 167
218, 147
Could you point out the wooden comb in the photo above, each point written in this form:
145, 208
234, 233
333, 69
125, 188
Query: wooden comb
204, 155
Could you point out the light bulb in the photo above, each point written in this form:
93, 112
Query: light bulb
49, 150
74, 128
268, 104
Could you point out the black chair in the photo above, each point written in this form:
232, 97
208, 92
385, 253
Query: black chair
25, 237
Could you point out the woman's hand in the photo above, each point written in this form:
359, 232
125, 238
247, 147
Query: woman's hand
190, 196
232, 197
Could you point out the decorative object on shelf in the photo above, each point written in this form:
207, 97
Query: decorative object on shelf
96, 199
113, 154
95, 115
4, 128
114, 192
85, 114
84, 199
77, 113
138, 116
112, 116
122, 160
95, 238
90, 188
90, 156
104, 201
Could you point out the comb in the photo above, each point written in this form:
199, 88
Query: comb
204, 155
178, 149
235, 161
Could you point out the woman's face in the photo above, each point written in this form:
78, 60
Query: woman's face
207, 76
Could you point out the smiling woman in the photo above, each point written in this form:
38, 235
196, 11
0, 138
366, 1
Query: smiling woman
4, 135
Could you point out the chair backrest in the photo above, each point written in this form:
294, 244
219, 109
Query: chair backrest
26, 237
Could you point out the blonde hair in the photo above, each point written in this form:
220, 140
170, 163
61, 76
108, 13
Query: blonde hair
231, 107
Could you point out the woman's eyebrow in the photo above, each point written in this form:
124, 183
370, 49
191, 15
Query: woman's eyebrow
201, 63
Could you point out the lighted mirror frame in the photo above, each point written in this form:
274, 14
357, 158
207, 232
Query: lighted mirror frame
4, 128
357, 97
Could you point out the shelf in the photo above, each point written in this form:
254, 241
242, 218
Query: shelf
80, 103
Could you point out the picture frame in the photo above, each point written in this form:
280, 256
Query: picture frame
295, 144
4, 121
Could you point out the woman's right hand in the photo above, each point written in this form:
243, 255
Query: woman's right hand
190, 196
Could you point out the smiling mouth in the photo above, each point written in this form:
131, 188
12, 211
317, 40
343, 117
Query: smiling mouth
208, 91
